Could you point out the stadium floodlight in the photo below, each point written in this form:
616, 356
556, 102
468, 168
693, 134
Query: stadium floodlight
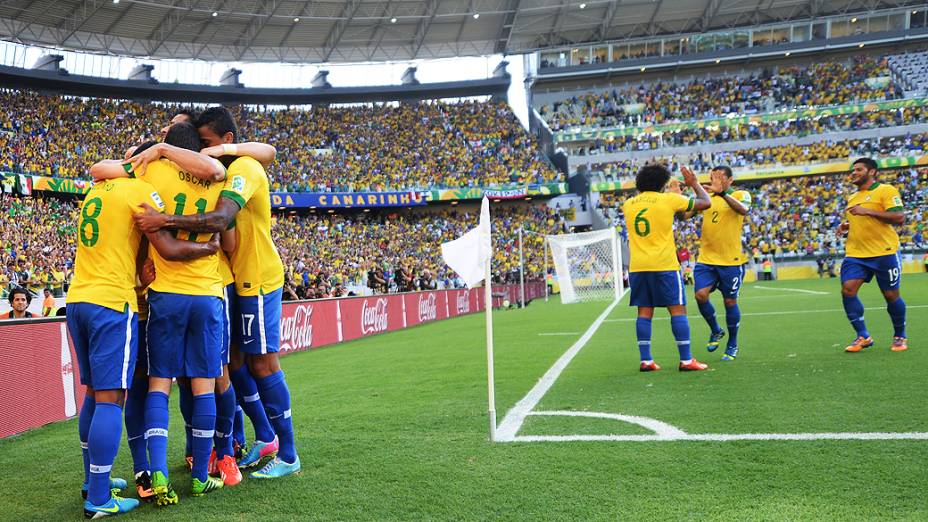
587, 265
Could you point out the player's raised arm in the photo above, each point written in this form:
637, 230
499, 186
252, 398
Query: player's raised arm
196, 164
702, 200
721, 185
262, 152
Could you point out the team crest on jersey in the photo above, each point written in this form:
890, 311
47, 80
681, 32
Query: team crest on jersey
157, 199
238, 183
867, 199
897, 201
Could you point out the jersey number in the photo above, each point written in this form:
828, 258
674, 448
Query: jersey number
89, 221
642, 225
715, 216
893, 275
246, 326
181, 201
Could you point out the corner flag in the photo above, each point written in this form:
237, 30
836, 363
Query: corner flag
470, 256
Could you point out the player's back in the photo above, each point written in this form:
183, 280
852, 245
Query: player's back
185, 195
108, 243
255, 261
649, 219
720, 239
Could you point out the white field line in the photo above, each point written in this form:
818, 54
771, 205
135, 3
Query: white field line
558, 333
749, 314
664, 432
507, 429
800, 290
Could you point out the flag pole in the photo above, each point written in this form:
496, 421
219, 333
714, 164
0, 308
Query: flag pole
491, 389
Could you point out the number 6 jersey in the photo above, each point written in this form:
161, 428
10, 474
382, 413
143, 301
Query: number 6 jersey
108, 243
649, 218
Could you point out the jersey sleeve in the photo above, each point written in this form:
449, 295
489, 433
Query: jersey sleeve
680, 203
145, 193
743, 197
241, 182
892, 200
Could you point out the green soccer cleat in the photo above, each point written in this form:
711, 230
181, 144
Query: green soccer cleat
114, 506
198, 489
116, 485
731, 353
276, 468
162, 489
714, 339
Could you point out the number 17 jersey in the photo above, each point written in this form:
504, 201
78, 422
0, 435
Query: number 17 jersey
649, 218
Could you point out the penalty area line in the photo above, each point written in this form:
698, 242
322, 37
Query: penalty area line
725, 437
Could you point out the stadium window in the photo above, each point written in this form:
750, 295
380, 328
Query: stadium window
839, 28
780, 35
638, 50
895, 22
619, 52
580, 56
819, 31
800, 33
672, 47
917, 19
741, 39
601, 54
877, 24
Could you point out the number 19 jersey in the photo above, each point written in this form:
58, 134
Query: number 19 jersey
649, 218
185, 195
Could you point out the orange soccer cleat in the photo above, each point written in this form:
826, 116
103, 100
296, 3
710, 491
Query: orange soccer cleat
859, 344
228, 470
693, 366
648, 366
900, 344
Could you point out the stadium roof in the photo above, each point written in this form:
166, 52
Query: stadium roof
363, 30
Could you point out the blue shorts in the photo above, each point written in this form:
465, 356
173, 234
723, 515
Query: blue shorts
887, 269
105, 342
727, 279
656, 289
256, 322
228, 293
184, 335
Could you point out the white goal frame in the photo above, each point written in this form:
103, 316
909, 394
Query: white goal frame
560, 247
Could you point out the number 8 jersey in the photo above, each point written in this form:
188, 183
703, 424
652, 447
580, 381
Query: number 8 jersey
185, 195
108, 244
649, 218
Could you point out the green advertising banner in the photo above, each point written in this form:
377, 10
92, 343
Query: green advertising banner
601, 134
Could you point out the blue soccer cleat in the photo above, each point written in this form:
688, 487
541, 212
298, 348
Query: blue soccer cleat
730, 353
714, 339
116, 484
258, 451
276, 468
116, 505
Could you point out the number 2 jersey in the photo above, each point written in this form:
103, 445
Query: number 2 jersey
108, 243
255, 261
649, 218
185, 195
720, 240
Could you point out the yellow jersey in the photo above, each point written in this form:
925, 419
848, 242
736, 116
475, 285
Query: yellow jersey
108, 243
255, 261
649, 219
868, 236
225, 269
720, 240
185, 195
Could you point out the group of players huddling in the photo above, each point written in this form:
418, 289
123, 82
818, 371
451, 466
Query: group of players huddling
872, 250
175, 232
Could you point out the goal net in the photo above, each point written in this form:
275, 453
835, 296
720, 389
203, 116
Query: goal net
588, 265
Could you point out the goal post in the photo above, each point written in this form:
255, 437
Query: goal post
588, 265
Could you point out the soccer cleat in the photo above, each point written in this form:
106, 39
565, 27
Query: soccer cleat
239, 449
731, 353
198, 489
714, 339
258, 451
693, 366
162, 489
188, 459
228, 471
116, 485
276, 468
143, 486
900, 344
114, 506
859, 344
648, 367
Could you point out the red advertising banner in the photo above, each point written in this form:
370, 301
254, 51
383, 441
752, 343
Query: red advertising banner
39, 367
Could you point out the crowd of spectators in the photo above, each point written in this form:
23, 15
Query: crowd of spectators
754, 131
795, 217
382, 147
824, 83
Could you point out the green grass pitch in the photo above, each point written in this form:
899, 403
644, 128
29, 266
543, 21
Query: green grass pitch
394, 427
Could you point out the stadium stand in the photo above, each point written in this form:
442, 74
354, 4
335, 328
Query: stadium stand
320, 149
910, 70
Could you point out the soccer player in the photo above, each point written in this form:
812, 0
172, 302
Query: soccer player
721, 260
654, 276
872, 249
103, 324
259, 279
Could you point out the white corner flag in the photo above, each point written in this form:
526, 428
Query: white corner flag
470, 256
